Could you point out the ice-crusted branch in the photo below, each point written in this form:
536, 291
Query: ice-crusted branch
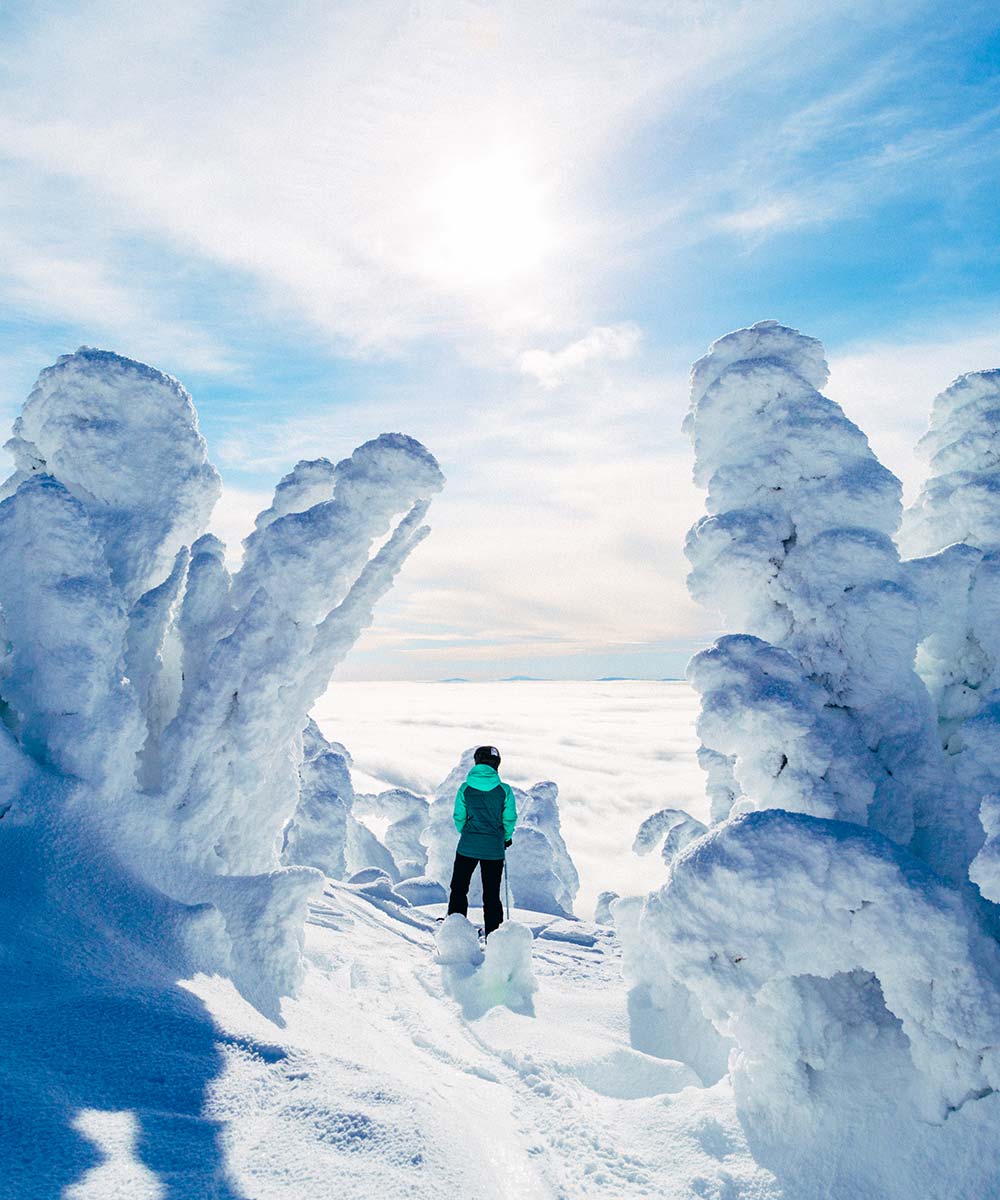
673, 827
309, 482
305, 592
342, 627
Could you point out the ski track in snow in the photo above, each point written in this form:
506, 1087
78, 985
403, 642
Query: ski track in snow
378, 1085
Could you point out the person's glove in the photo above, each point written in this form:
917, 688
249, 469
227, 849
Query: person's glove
508, 842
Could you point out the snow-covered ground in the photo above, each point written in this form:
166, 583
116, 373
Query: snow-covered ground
381, 1083
618, 750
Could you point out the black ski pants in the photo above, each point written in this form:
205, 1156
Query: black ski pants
491, 870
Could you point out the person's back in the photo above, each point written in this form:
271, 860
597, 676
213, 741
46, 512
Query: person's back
485, 817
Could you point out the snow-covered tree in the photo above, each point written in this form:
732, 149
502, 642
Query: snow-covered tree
317, 833
543, 876
861, 992
163, 695
797, 549
952, 535
603, 914
824, 927
960, 500
953, 532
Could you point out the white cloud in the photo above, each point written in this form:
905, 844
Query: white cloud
560, 529
618, 751
604, 343
843, 152
384, 172
766, 216
83, 291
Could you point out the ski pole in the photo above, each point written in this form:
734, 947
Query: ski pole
506, 884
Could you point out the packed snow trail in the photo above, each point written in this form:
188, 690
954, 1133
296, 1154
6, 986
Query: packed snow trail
378, 1085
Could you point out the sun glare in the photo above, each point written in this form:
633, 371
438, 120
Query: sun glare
486, 222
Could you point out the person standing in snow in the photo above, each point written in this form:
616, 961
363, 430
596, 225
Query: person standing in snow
485, 816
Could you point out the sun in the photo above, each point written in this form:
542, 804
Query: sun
486, 222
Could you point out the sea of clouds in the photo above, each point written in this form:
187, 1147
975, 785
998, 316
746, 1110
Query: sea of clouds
618, 750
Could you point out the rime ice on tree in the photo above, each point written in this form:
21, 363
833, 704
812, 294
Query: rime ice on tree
825, 927
953, 531
166, 695
797, 549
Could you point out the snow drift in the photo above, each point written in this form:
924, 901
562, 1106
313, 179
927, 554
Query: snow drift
153, 701
482, 979
824, 933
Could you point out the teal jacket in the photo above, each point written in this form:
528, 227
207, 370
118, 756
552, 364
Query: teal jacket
485, 814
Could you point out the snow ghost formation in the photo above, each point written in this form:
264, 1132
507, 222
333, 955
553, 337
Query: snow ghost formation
154, 701
417, 850
825, 928
317, 833
797, 551
543, 877
324, 831
953, 534
603, 914
407, 817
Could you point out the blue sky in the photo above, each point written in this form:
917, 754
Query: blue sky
506, 229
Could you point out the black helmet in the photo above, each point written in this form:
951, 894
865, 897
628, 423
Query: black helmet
488, 756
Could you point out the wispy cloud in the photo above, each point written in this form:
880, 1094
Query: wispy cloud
82, 292
781, 213
62, 266
481, 205
889, 132
610, 343
383, 173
